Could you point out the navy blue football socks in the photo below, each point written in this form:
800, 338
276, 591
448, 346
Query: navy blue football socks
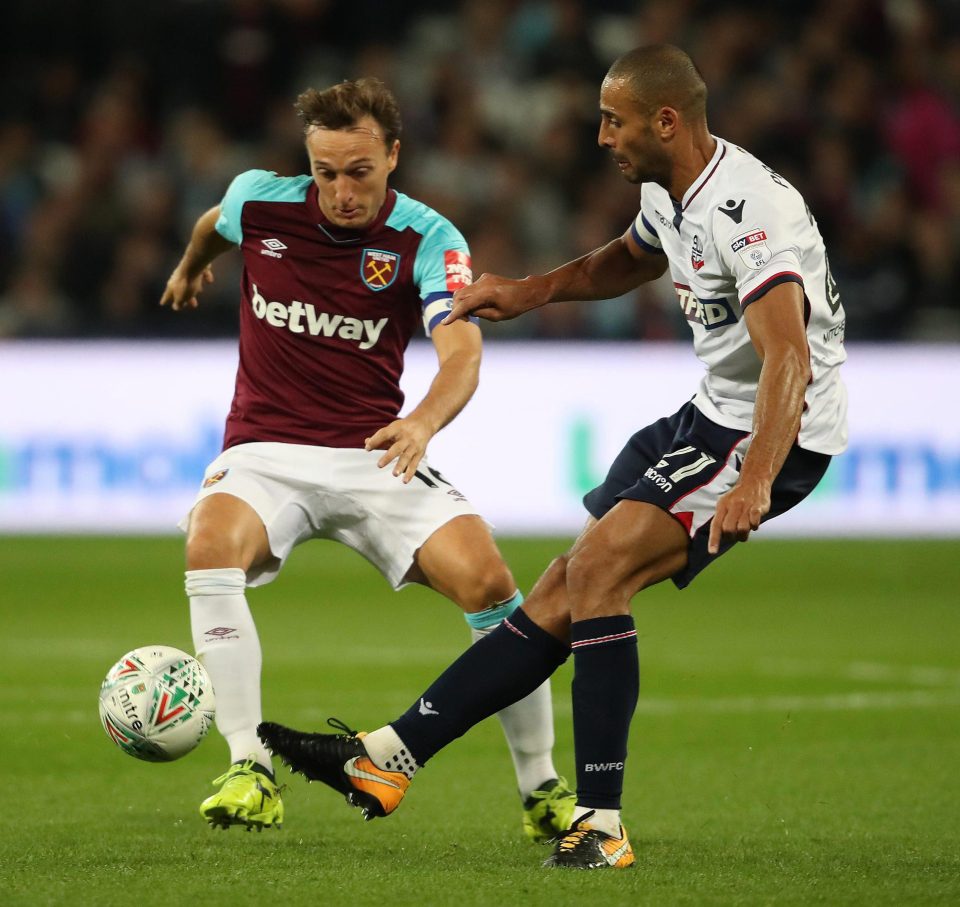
493, 673
606, 684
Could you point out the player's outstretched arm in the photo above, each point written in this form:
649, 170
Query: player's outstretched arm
776, 326
405, 440
605, 273
193, 272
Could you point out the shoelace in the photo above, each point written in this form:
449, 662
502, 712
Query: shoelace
239, 768
575, 834
552, 793
245, 768
338, 725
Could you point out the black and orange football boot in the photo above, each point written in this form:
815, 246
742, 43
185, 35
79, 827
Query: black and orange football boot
339, 761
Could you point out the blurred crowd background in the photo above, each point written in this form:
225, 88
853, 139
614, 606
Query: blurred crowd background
120, 123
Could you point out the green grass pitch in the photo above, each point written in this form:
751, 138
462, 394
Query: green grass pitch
797, 739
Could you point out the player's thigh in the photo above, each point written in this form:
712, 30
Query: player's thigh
548, 604
225, 531
253, 507
461, 561
679, 466
633, 546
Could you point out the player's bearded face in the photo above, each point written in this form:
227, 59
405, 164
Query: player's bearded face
351, 167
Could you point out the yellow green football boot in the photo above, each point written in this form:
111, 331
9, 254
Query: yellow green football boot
248, 796
548, 810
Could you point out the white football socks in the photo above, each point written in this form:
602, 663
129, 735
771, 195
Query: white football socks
605, 820
528, 727
387, 751
226, 641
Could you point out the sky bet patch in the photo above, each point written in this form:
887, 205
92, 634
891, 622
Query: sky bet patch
752, 249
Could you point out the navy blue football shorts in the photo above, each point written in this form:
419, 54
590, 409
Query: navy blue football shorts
684, 464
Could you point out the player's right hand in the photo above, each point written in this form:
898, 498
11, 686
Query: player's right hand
739, 512
493, 298
405, 441
182, 291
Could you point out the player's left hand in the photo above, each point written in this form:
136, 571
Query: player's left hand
405, 441
739, 512
183, 289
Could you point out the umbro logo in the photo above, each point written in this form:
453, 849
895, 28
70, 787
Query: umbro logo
273, 247
220, 632
733, 210
426, 708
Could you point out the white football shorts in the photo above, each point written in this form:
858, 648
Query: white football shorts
304, 492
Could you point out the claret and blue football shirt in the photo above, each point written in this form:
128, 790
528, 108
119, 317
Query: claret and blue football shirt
327, 312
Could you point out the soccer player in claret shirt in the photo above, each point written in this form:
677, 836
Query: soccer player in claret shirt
338, 273
753, 281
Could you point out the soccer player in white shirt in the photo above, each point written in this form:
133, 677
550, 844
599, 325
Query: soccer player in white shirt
753, 280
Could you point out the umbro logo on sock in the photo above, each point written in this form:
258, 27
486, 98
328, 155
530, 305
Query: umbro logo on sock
426, 708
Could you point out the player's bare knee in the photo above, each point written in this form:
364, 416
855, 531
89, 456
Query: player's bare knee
487, 583
206, 551
597, 586
553, 582
547, 604
585, 572
211, 545
557, 570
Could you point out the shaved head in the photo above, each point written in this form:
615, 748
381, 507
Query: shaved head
662, 75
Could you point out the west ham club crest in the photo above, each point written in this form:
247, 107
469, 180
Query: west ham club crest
379, 269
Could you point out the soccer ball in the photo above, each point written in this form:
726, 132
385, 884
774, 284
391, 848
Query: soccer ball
156, 703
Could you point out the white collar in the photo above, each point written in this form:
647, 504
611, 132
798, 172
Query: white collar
705, 174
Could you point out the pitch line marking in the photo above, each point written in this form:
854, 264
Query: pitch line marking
830, 702
877, 672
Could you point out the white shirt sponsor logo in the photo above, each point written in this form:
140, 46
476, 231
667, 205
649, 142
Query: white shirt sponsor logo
711, 313
303, 318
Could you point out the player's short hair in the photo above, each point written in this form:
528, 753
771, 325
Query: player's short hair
661, 75
345, 104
